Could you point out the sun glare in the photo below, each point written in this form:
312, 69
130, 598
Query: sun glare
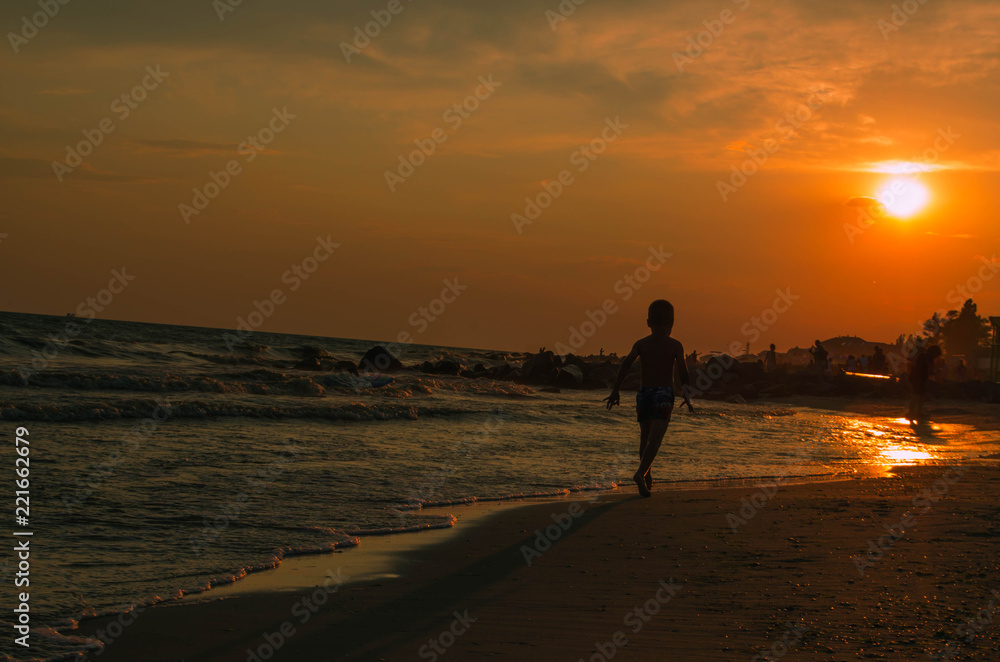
903, 197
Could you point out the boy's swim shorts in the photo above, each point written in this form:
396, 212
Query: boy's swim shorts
654, 403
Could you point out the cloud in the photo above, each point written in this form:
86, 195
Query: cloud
953, 236
65, 91
185, 148
13, 167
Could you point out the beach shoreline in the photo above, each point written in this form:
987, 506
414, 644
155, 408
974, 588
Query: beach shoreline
795, 548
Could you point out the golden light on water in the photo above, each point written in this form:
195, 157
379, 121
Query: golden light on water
891, 442
906, 456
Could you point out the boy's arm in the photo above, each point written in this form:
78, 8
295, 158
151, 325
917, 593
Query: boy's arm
623, 369
682, 370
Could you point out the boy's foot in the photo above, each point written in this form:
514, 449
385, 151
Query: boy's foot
640, 481
649, 480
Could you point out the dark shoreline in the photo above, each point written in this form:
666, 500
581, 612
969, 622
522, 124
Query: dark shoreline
796, 551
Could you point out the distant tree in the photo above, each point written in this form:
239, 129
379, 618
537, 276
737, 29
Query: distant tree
933, 326
959, 332
964, 332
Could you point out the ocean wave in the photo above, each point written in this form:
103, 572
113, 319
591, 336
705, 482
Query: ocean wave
272, 383
57, 646
136, 409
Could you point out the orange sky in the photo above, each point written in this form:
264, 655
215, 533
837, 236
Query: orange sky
877, 95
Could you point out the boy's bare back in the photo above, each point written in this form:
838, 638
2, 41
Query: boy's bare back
658, 353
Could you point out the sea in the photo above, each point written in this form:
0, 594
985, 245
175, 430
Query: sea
166, 461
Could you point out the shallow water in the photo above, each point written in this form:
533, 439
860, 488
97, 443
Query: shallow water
163, 463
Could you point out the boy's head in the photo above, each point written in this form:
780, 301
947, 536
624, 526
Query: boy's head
661, 315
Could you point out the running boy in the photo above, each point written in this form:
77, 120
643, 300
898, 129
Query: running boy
654, 402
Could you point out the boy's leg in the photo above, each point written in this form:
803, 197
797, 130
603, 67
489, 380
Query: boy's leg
643, 437
643, 440
657, 430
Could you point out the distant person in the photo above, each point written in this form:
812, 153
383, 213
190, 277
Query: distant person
654, 402
771, 359
692, 361
878, 362
961, 371
863, 363
819, 355
921, 369
852, 364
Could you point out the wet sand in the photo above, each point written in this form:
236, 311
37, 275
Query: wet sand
684, 575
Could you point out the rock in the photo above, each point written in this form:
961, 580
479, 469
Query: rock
569, 377
503, 371
345, 366
312, 352
539, 369
378, 359
750, 372
448, 367
606, 373
444, 367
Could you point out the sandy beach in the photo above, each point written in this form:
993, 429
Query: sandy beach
872, 568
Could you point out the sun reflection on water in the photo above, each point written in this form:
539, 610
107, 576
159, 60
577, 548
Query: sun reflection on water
893, 441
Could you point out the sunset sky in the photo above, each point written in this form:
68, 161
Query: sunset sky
881, 89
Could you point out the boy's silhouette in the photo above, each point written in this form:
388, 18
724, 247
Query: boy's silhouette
659, 354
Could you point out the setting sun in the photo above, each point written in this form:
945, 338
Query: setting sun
903, 197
